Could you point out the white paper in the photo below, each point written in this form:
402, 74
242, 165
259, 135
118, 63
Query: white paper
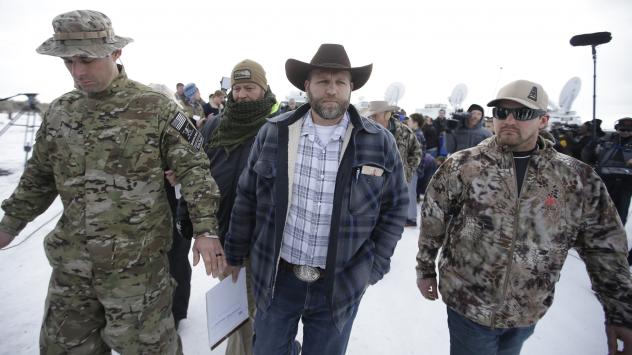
226, 308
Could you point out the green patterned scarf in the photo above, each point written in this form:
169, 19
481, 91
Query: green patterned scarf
242, 120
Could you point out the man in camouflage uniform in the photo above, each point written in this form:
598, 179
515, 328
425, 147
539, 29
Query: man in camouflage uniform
506, 212
103, 149
409, 150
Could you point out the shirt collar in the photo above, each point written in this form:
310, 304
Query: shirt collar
309, 127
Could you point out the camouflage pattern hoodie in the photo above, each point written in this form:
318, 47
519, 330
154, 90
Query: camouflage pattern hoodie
502, 254
408, 146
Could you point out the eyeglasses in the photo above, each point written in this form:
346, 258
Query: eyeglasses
519, 114
625, 129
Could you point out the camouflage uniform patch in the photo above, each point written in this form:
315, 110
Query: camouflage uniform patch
187, 130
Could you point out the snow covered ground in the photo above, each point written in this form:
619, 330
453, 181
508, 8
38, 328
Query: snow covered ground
393, 317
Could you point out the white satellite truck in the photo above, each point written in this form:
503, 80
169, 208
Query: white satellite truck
561, 113
459, 93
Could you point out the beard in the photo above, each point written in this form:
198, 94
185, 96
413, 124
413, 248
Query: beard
329, 113
517, 140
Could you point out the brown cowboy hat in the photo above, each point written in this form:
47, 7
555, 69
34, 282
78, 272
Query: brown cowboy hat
328, 56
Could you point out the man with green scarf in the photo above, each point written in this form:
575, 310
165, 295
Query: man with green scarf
227, 142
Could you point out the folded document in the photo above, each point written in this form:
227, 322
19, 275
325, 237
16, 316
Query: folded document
226, 308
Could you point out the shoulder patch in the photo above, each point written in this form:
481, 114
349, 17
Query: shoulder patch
187, 130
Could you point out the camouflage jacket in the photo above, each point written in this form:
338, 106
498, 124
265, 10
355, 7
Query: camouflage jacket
193, 109
408, 145
105, 154
502, 254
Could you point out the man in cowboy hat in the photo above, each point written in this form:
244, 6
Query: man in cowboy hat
103, 149
320, 207
408, 146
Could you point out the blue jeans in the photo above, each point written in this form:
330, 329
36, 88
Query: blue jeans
470, 338
275, 328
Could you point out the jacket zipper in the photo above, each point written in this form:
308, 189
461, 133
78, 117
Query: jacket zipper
513, 241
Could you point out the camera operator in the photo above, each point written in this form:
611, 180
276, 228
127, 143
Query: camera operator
563, 135
612, 157
465, 129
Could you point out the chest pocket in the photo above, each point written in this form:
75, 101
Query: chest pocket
65, 138
266, 173
134, 146
366, 190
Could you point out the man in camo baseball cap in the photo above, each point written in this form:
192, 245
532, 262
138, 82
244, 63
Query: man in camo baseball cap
83, 33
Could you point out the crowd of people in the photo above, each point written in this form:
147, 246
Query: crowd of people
311, 200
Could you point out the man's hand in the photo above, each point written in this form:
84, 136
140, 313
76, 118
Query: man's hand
200, 123
5, 239
428, 288
171, 177
232, 270
212, 254
614, 332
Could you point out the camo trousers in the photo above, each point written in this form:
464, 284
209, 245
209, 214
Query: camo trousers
128, 310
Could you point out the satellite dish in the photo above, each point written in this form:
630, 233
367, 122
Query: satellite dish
569, 93
394, 93
553, 105
458, 95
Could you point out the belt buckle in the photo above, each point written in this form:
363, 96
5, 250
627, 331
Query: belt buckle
306, 273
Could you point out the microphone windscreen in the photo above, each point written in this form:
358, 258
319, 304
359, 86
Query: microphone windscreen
591, 39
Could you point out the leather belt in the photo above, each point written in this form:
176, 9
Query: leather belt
304, 273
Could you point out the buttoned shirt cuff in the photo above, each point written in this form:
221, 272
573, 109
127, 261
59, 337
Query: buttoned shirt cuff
12, 225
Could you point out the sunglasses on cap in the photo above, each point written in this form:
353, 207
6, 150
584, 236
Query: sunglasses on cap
519, 114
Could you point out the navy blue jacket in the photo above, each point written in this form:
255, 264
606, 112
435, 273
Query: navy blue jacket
367, 219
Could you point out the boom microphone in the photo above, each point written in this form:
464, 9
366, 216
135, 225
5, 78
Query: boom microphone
591, 39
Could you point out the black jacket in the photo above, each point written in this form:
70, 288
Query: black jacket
225, 169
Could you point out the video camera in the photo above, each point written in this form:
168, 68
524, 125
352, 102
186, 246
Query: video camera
457, 119
565, 130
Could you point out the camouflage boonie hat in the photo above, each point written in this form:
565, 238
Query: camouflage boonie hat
83, 33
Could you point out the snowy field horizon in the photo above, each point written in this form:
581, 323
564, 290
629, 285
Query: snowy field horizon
393, 318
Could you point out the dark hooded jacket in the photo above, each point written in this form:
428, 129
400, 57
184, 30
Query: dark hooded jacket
464, 137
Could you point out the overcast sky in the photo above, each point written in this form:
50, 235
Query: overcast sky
429, 46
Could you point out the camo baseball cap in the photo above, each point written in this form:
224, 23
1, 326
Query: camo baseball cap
83, 33
524, 92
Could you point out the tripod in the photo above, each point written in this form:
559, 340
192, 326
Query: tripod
31, 112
